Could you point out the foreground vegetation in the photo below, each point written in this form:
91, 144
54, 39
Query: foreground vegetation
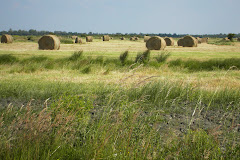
81, 105
155, 121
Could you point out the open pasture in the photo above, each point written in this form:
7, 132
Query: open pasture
82, 101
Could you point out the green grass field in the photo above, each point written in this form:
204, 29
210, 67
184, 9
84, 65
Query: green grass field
83, 102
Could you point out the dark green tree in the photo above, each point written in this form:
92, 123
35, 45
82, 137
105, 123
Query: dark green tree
230, 36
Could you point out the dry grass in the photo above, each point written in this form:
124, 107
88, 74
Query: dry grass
206, 80
115, 47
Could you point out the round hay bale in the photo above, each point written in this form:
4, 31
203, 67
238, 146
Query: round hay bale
132, 38
169, 41
78, 40
156, 43
106, 38
122, 38
74, 37
189, 41
146, 38
89, 39
136, 39
49, 42
6, 38
180, 42
226, 39
199, 40
205, 40
238, 39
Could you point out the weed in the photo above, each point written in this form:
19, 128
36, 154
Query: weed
143, 57
7, 59
209, 65
86, 70
163, 56
99, 60
123, 57
76, 56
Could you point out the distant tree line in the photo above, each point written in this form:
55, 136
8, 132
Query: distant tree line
33, 32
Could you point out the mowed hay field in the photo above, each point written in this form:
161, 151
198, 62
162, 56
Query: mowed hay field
84, 102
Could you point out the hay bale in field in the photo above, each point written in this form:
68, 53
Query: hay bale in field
122, 38
6, 38
89, 39
205, 40
136, 39
78, 40
146, 38
132, 38
199, 40
169, 41
189, 41
226, 39
156, 43
49, 42
74, 37
106, 38
180, 42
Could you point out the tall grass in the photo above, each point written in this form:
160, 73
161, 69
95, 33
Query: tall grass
76, 55
143, 57
8, 59
123, 57
163, 56
221, 42
77, 61
209, 65
116, 123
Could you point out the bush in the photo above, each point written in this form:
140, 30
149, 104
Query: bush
230, 36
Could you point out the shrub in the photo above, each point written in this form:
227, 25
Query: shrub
230, 36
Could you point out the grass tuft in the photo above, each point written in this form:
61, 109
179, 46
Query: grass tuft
143, 57
76, 56
7, 59
209, 65
86, 70
123, 57
163, 56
